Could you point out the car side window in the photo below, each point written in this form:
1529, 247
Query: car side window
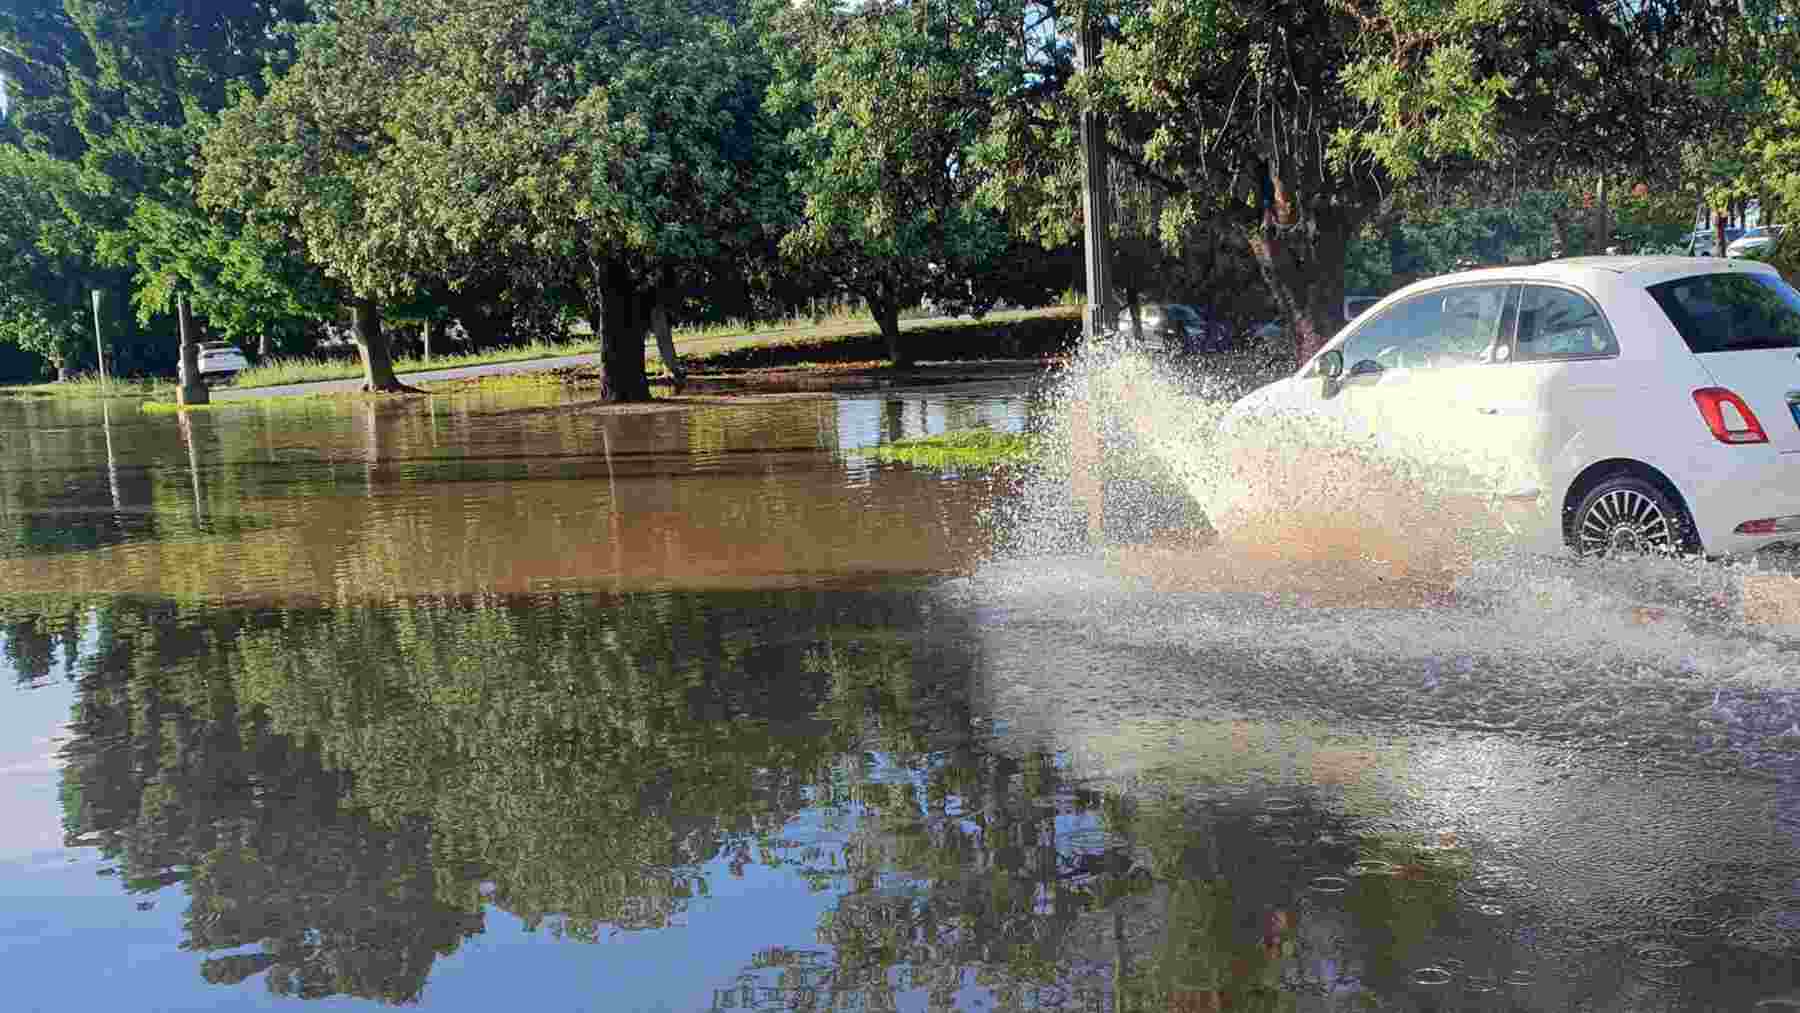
1433, 330
1556, 323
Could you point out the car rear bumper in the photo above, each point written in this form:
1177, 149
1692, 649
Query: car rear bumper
1745, 484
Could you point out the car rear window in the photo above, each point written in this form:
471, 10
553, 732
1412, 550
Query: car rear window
1731, 312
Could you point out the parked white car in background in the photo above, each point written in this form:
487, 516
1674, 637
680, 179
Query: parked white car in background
1635, 403
1755, 241
221, 361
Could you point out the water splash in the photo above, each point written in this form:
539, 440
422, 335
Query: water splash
1281, 568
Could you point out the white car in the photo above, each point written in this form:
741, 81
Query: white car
1612, 403
220, 361
1755, 241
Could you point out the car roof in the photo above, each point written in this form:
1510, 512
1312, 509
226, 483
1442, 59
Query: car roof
1596, 271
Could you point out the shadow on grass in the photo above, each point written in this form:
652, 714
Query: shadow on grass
1040, 337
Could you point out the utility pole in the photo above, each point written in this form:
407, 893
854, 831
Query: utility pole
99, 346
190, 389
1096, 195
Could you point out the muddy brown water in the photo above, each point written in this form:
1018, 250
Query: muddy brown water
690, 707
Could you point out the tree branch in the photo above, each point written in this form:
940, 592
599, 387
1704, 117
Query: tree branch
1137, 165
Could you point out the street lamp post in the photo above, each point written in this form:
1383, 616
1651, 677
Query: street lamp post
1096, 200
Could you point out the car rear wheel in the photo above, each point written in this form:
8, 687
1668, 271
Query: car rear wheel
1627, 515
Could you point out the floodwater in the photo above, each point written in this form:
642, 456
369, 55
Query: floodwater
493, 699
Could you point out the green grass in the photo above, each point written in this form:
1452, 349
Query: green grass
305, 369
959, 449
842, 337
90, 386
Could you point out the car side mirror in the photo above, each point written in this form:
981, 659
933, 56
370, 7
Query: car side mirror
1331, 364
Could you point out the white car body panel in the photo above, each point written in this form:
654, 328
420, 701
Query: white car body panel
1522, 433
222, 361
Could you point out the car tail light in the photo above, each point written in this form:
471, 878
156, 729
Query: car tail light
1729, 418
1770, 526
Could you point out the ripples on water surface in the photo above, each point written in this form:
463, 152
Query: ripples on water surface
694, 707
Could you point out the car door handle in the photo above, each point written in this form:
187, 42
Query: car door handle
1488, 411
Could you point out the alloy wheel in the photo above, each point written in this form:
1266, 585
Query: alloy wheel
1626, 521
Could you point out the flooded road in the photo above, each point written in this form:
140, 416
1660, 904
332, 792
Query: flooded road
695, 707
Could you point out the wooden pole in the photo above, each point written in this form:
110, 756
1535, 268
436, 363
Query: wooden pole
190, 388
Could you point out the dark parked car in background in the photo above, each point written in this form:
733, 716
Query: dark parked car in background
1176, 327
1701, 245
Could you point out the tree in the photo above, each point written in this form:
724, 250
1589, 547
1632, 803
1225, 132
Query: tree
586, 148
1293, 122
892, 100
44, 280
110, 101
163, 70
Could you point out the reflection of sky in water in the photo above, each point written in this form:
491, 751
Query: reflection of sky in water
30, 721
866, 421
72, 940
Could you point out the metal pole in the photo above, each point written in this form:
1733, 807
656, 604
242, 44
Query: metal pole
112, 464
1096, 197
99, 347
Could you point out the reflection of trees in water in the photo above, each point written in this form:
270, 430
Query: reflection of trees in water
176, 783
39, 631
346, 791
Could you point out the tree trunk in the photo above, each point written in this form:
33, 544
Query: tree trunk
665, 337
264, 348
887, 317
372, 343
1559, 235
1719, 234
614, 311
1301, 255
425, 339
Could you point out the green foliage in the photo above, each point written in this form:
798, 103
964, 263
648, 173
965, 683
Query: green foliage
959, 450
44, 278
889, 104
1428, 94
417, 140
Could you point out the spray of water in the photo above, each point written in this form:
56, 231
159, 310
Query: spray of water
1141, 470
1145, 491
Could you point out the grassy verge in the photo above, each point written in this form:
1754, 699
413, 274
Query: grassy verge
305, 369
1019, 335
959, 449
279, 372
837, 342
90, 386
